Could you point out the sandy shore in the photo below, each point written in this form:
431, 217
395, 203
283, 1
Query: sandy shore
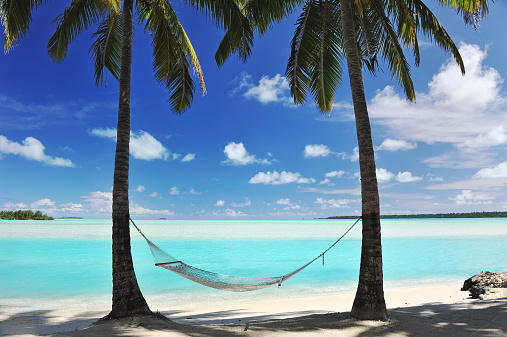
430, 311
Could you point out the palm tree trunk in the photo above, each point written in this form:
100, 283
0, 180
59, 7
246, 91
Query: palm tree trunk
127, 297
369, 302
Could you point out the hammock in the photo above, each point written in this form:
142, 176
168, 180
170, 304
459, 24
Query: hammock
220, 281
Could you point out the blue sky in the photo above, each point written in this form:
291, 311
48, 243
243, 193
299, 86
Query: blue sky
244, 150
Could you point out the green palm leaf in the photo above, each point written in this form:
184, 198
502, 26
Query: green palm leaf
173, 54
106, 49
80, 15
16, 16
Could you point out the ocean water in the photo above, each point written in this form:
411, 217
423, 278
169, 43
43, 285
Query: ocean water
67, 258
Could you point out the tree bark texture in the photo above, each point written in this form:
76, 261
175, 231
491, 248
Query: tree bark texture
369, 302
127, 297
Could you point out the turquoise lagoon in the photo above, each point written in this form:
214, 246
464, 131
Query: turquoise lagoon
66, 258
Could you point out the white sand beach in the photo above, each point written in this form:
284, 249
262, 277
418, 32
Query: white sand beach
429, 311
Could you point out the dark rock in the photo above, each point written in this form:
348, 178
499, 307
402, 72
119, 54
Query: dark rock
481, 283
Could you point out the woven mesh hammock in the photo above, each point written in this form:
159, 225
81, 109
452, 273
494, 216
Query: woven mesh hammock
220, 281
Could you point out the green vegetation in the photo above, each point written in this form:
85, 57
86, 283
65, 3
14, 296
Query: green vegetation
24, 215
70, 218
432, 216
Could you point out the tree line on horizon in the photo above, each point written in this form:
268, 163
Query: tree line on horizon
431, 216
24, 215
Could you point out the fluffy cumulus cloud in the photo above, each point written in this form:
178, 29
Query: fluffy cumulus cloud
140, 188
384, 176
288, 204
275, 178
268, 90
466, 111
188, 157
237, 155
220, 203
393, 145
32, 149
143, 145
174, 191
316, 150
335, 174
467, 197
498, 171
100, 202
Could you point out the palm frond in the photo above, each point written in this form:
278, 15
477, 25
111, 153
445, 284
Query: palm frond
230, 15
433, 29
80, 15
173, 54
389, 46
303, 45
471, 10
326, 70
106, 48
16, 16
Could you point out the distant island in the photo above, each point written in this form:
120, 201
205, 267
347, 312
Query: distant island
432, 216
24, 215
70, 218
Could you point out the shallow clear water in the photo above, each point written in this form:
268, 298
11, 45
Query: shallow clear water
61, 258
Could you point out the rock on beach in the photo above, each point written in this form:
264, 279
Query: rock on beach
479, 285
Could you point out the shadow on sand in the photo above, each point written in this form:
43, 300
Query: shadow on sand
469, 318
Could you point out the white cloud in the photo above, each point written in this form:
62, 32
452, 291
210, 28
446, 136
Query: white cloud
467, 197
275, 178
31, 149
237, 155
466, 111
285, 201
269, 90
325, 181
140, 188
499, 171
220, 203
407, 177
100, 202
104, 133
317, 150
393, 145
142, 145
495, 136
231, 213
354, 156
333, 174
174, 191
193, 191
140, 210
42, 203
335, 203
243, 204
384, 175
153, 195
14, 206
188, 157
289, 205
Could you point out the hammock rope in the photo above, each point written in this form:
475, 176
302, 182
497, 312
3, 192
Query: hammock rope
220, 281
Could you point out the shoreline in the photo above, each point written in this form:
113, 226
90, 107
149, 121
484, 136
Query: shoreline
69, 314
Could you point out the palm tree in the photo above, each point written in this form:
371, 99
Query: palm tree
173, 55
360, 31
